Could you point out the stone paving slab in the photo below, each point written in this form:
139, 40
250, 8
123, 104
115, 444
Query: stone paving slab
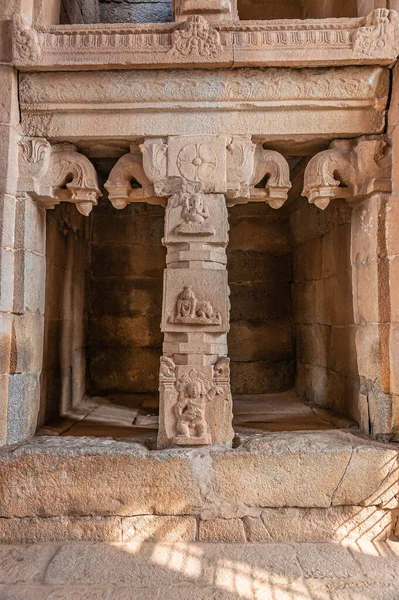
135, 571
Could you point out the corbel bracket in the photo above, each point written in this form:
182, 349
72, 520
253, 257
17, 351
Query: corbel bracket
351, 169
55, 174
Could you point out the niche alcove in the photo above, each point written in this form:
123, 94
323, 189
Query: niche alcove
292, 335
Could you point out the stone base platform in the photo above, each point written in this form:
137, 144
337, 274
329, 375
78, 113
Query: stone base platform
137, 571
295, 486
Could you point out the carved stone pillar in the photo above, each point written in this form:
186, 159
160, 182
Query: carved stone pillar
197, 174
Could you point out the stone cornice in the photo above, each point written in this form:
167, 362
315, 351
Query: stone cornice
196, 43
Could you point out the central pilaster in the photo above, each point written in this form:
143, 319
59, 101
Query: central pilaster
195, 397
196, 177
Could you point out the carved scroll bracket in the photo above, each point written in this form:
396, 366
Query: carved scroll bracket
351, 169
128, 181
379, 33
59, 173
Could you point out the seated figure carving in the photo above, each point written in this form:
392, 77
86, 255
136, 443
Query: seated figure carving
195, 215
192, 311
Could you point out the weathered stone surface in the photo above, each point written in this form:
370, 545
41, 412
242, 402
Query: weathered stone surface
321, 561
152, 528
221, 530
21, 564
341, 524
46, 475
36, 529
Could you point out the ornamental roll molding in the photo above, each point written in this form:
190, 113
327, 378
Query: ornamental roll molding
351, 169
55, 174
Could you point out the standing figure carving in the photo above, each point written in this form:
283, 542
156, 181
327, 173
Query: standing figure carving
195, 392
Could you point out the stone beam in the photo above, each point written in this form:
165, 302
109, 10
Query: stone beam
351, 169
198, 42
273, 104
195, 174
54, 174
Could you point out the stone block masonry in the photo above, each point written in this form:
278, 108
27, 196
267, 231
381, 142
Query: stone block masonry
136, 11
334, 486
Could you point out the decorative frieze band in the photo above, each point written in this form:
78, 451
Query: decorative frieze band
196, 41
351, 169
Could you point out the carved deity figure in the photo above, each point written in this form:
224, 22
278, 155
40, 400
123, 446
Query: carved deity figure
195, 391
195, 215
192, 311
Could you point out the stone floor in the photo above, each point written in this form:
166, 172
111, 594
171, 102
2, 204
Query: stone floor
104, 417
274, 571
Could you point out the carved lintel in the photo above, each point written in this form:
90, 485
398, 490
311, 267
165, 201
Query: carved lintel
264, 163
54, 174
351, 169
129, 168
380, 33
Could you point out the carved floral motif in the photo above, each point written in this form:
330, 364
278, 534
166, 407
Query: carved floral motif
192, 311
197, 162
196, 37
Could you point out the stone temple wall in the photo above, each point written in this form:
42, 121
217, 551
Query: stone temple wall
325, 327
136, 11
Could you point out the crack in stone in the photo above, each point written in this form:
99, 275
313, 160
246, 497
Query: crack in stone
342, 477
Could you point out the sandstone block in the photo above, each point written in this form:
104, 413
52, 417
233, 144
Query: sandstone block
128, 479
259, 235
313, 344
255, 530
320, 561
60, 529
6, 280
392, 217
7, 220
253, 265
127, 297
23, 406
262, 377
341, 524
256, 301
112, 331
365, 231
394, 288
27, 331
335, 250
257, 341
130, 226
368, 351
5, 342
128, 260
124, 370
24, 564
335, 303
308, 260
152, 528
34, 276
305, 302
221, 530
365, 291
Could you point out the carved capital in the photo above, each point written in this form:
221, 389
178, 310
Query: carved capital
54, 174
351, 169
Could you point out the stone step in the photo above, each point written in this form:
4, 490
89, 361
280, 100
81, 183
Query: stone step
331, 485
98, 571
